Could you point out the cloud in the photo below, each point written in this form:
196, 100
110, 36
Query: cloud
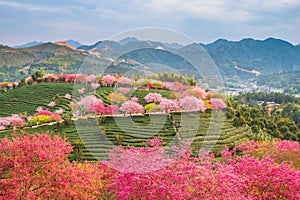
204, 20
32, 7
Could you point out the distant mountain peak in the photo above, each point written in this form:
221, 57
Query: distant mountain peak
127, 40
29, 44
73, 43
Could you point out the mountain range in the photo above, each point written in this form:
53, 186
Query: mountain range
236, 60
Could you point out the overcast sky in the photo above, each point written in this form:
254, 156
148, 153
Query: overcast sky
89, 21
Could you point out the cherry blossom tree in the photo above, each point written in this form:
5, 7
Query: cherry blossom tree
88, 103
108, 80
217, 103
36, 167
153, 97
191, 103
124, 81
95, 85
124, 90
199, 92
131, 107
168, 105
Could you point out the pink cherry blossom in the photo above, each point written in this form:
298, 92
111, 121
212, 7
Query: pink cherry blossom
217, 103
108, 80
191, 103
134, 99
168, 105
40, 108
81, 91
52, 104
59, 111
90, 78
95, 85
89, 102
153, 97
124, 90
131, 107
199, 92
124, 81
68, 96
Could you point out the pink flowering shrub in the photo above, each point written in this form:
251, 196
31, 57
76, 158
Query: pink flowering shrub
168, 105
13, 121
199, 92
36, 167
174, 86
217, 104
131, 107
100, 109
191, 103
153, 97
43, 116
199, 178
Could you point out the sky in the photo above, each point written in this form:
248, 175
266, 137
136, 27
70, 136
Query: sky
89, 21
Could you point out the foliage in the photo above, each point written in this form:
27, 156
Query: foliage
279, 151
35, 167
117, 98
201, 177
151, 107
251, 98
